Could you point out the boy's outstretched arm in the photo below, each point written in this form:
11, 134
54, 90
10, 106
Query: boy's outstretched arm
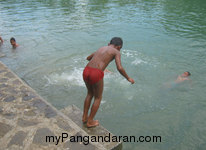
90, 57
121, 69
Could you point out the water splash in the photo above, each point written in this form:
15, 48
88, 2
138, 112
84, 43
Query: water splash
138, 61
137, 58
72, 78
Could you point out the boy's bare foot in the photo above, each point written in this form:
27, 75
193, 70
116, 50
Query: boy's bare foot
92, 123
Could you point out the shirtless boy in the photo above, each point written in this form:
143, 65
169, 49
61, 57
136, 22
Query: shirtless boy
93, 77
13, 43
183, 77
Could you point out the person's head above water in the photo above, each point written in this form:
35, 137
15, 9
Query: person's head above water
117, 42
12, 39
183, 77
186, 74
13, 42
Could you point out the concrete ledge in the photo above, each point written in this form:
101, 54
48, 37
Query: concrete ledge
75, 115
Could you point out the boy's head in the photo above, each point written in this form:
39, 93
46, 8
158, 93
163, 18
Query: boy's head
186, 74
13, 41
117, 42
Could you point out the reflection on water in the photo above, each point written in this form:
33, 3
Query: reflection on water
185, 18
162, 39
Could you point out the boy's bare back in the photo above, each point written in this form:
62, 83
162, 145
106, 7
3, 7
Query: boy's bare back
102, 57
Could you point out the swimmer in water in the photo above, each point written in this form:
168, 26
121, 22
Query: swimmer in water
2, 41
183, 77
93, 77
13, 43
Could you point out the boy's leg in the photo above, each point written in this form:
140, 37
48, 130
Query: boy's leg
98, 90
87, 102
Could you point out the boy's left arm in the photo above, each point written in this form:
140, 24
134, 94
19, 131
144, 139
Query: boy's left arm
90, 57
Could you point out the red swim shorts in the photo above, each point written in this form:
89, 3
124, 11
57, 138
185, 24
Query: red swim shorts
92, 75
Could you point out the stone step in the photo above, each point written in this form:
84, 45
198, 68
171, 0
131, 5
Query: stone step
75, 114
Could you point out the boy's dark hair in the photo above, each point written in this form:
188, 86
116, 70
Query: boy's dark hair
188, 73
117, 41
12, 39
